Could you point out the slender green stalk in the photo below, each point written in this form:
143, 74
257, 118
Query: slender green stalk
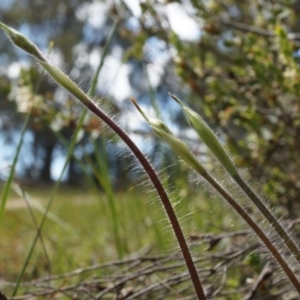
210, 139
105, 50
101, 161
35, 222
183, 152
70, 153
101, 173
51, 198
70, 86
108, 189
5, 192
152, 94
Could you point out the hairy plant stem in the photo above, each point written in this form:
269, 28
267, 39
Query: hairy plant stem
211, 140
269, 216
63, 80
258, 231
160, 191
162, 130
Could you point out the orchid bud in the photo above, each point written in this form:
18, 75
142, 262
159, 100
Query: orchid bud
66, 82
208, 137
163, 131
60, 77
22, 42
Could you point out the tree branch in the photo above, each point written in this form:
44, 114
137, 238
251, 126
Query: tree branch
257, 30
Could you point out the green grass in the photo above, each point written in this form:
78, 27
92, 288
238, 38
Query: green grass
88, 236
93, 227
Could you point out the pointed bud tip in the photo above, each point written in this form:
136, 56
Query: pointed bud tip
177, 100
173, 96
139, 109
133, 101
22, 42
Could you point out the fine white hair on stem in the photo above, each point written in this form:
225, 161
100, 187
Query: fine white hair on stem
160, 128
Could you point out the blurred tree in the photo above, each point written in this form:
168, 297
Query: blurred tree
242, 75
43, 23
240, 69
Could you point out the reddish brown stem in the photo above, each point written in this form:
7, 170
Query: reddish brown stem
160, 191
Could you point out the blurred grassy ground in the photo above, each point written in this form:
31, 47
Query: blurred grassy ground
85, 236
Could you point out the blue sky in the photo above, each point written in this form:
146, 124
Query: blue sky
115, 84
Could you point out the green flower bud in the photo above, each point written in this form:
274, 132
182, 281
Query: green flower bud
208, 137
163, 131
62, 79
22, 42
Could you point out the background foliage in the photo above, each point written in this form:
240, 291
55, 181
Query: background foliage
241, 73
236, 63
